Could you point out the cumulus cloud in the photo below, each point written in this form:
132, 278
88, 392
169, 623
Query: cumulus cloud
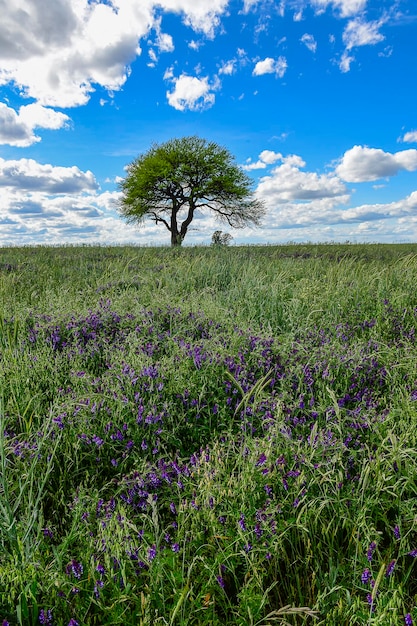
269, 156
266, 157
191, 93
57, 52
45, 204
16, 129
255, 165
78, 44
29, 175
200, 15
312, 206
288, 183
410, 137
362, 164
366, 218
271, 66
309, 41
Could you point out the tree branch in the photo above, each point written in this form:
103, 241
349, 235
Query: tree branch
154, 216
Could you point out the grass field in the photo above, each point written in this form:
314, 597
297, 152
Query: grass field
208, 436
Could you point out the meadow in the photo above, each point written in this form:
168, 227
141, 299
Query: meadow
208, 436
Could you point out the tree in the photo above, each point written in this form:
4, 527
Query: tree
221, 239
174, 180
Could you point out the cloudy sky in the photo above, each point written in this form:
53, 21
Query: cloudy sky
316, 99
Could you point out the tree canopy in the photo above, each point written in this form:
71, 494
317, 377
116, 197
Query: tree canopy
172, 181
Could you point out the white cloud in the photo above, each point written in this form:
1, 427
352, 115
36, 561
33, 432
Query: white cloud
200, 15
169, 73
81, 44
287, 183
16, 129
410, 137
362, 164
271, 66
29, 175
42, 203
228, 68
256, 165
361, 33
269, 156
163, 42
249, 4
347, 8
191, 93
309, 41
346, 61
311, 206
267, 66
57, 52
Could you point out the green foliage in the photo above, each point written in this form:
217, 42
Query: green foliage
173, 180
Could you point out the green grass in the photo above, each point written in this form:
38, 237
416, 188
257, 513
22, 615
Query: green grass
221, 436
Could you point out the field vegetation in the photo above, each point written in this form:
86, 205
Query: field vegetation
208, 436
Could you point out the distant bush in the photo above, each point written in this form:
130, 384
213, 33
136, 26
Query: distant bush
221, 239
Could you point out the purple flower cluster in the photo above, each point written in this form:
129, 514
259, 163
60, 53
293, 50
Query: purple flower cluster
146, 435
75, 569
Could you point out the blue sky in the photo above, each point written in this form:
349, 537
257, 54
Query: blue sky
316, 99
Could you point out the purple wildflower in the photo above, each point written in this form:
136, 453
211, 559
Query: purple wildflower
74, 568
408, 620
173, 508
371, 550
45, 617
101, 570
390, 568
258, 530
366, 576
413, 553
73, 622
261, 461
152, 552
242, 522
97, 588
397, 533
221, 582
371, 602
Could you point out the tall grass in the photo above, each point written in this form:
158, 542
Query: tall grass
208, 435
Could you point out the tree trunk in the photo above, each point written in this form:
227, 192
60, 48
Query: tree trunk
176, 239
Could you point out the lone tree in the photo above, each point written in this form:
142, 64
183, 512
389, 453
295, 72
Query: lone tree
173, 180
